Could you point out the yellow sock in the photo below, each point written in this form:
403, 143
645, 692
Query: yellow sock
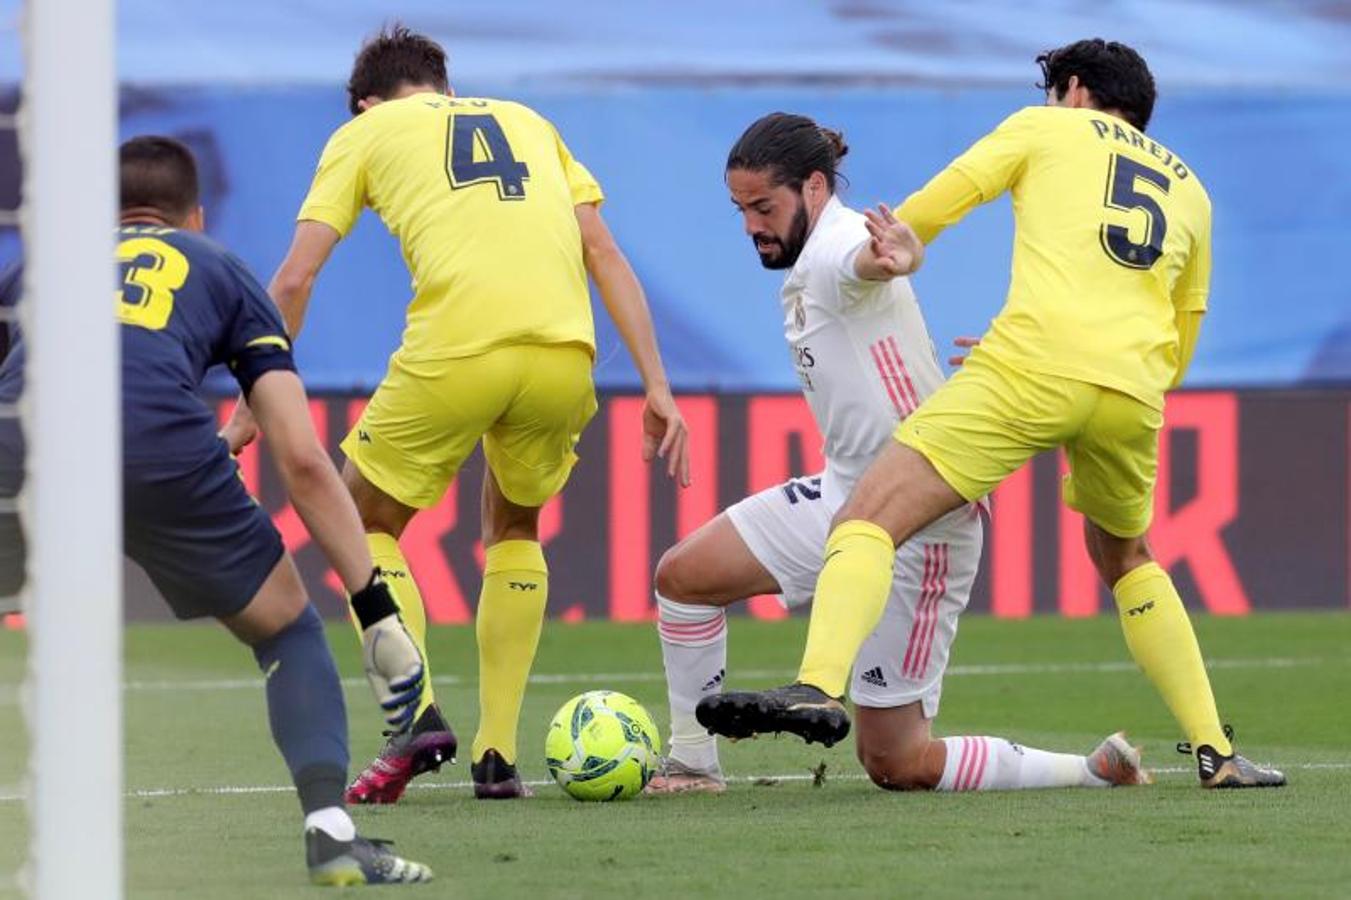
850, 596
394, 568
1161, 639
510, 615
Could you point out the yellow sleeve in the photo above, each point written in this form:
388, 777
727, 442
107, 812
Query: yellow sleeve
947, 197
1192, 290
338, 193
1188, 322
997, 160
1191, 293
584, 187
987, 169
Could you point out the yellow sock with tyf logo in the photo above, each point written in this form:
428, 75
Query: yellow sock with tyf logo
510, 615
1161, 640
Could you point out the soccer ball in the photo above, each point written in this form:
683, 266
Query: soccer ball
602, 745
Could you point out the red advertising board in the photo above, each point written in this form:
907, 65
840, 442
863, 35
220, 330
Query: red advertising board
1251, 510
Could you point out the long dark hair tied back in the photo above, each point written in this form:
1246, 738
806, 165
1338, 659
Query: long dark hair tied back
791, 147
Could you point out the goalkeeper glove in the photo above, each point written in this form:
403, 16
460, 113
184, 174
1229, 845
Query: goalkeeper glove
394, 667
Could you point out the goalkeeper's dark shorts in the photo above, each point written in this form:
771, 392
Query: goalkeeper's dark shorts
204, 542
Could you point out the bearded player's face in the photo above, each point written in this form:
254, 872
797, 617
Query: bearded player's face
775, 216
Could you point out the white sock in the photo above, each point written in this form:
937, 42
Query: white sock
694, 650
333, 821
994, 764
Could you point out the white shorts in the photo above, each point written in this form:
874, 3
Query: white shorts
903, 660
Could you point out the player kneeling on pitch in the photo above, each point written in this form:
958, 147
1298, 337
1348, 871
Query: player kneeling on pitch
1110, 280
185, 305
865, 361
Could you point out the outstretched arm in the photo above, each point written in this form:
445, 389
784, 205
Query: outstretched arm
989, 167
898, 238
893, 248
948, 196
664, 432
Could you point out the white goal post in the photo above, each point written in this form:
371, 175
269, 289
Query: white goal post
72, 499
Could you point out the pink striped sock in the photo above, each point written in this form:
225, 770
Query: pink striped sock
994, 764
694, 651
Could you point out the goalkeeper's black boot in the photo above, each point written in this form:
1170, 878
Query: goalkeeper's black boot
335, 863
1233, 771
800, 709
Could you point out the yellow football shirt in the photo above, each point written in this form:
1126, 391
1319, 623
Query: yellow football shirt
1112, 241
480, 194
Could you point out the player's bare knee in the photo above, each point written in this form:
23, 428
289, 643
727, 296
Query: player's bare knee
682, 576
279, 601
504, 520
380, 522
513, 523
674, 577
1113, 556
379, 512
896, 768
896, 749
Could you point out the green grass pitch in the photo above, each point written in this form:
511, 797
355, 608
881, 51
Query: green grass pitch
207, 816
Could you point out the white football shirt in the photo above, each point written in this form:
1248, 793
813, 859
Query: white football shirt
860, 348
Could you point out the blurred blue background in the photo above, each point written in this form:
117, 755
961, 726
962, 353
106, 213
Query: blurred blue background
1253, 95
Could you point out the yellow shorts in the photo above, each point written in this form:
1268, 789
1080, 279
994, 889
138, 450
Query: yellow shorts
529, 404
992, 417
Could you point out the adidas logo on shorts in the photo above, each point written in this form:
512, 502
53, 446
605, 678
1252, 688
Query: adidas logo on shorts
874, 677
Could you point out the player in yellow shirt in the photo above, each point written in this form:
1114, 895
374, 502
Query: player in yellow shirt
1111, 271
499, 226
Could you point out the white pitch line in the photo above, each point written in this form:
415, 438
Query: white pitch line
998, 669
14, 795
9, 694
